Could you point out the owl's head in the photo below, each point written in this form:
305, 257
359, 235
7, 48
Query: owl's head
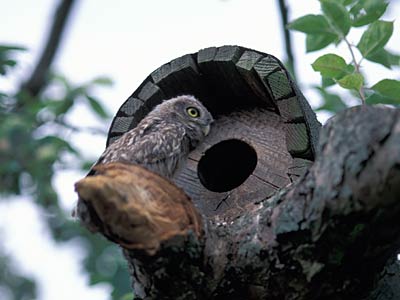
192, 114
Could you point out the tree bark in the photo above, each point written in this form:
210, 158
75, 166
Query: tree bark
327, 236
387, 285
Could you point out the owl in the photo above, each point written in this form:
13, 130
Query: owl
164, 138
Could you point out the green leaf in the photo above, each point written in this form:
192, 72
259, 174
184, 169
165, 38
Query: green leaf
375, 37
389, 88
385, 58
59, 107
338, 15
316, 42
330, 65
7, 48
58, 144
350, 69
46, 153
352, 81
128, 296
6, 62
346, 2
97, 107
376, 98
62, 80
394, 58
311, 24
327, 82
87, 165
105, 81
331, 102
9, 62
367, 11
6, 65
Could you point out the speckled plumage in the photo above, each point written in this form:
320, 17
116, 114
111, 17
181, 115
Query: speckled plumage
164, 138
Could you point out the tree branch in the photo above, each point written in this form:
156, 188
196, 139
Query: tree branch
38, 78
387, 282
283, 10
339, 224
325, 237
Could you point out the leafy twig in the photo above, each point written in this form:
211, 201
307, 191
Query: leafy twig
331, 27
357, 68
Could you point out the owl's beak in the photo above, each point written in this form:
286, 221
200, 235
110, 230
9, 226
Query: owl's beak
206, 130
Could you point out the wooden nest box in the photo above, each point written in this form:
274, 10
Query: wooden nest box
263, 137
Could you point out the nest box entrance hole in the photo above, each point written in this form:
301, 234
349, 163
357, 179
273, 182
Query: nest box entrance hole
226, 165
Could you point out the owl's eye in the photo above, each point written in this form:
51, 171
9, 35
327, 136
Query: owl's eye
193, 112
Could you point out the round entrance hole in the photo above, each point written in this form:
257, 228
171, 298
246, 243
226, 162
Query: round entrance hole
226, 165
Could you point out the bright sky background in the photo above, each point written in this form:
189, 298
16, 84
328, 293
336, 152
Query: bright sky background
126, 40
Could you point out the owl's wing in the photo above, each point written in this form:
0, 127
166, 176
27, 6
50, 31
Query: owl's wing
157, 145
160, 142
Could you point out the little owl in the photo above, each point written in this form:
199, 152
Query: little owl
164, 138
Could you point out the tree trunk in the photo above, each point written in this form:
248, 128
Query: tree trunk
327, 236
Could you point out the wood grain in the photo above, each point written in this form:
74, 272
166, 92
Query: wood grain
262, 130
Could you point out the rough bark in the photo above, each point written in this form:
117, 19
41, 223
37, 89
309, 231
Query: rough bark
387, 286
328, 236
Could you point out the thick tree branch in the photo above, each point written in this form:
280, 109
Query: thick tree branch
325, 237
387, 282
339, 224
38, 78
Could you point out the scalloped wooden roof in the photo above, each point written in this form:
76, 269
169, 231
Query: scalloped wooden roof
227, 79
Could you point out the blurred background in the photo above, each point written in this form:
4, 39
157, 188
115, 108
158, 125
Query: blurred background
65, 68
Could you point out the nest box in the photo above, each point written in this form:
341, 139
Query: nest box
263, 137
